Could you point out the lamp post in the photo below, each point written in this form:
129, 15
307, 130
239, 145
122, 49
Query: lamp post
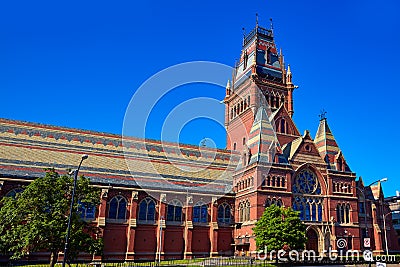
384, 228
71, 209
160, 245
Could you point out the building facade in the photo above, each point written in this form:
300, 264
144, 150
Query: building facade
394, 205
152, 206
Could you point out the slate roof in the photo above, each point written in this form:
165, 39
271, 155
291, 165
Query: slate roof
27, 148
326, 143
262, 138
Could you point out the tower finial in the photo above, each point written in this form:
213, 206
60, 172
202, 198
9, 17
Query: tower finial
322, 116
244, 34
272, 25
257, 20
289, 76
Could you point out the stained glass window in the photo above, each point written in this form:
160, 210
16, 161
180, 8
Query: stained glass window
224, 213
174, 211
147, 210
117, 208
86, 211
306, 191
200, 213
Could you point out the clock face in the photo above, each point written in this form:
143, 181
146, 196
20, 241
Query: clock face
307, 182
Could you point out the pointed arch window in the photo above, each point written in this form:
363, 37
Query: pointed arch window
245, 58
200, 213
247, 211
86, 211
241, 212
274, 201
343, 213
283, 126
147, 210
224, 213
117, 208
174, 211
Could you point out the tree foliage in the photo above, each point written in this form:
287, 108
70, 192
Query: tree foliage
280, 228
36, 219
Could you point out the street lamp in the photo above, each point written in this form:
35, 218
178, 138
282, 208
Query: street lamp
384, 228
70, 210
160, 245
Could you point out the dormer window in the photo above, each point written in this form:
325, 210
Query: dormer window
245, 58
283, 126
269, 55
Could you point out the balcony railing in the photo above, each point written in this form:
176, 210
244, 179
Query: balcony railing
260, 31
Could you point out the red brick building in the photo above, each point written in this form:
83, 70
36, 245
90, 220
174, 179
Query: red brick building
209, 211
279, 165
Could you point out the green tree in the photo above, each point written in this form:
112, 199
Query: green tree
36, 219
280, 228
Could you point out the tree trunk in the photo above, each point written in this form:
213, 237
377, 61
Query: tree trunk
53, 258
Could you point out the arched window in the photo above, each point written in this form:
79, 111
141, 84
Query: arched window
117, 208
269, 56
338, 213
307, 199
342, 214
234, 146
339, 164
13, 192
283, 126
147, 210
273, 181
86, 211
174, 211
347, 213
247, 211
278, 181
269, 181
268, 203
283, 182
279, 203
245, 58
200, 213
241, 212
224, 213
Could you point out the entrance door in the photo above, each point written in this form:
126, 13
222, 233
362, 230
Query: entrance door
312, 240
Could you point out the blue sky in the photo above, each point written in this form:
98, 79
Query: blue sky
78, 63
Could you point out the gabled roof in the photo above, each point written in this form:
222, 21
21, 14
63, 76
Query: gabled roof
302, 149
282, 112
262, 138
327, 145
377, 191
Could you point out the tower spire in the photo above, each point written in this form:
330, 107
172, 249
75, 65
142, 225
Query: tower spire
257, 20
289, 75
272, 26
